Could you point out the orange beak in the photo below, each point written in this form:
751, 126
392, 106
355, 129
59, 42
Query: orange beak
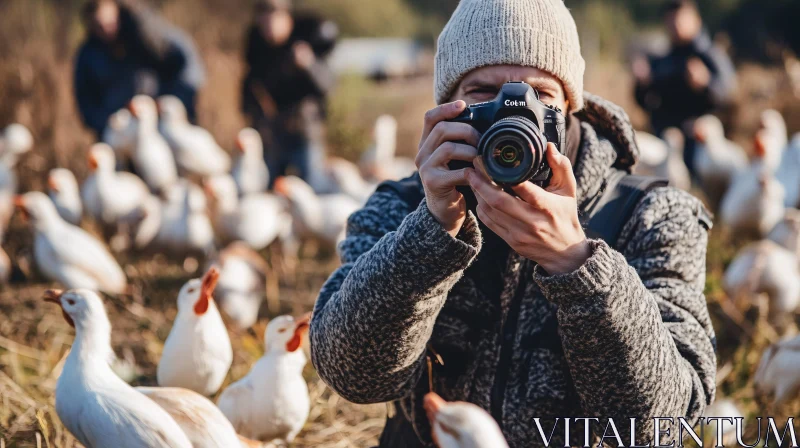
92, 162
699, 134
759, 148
206, 291
281, 186
19, 203
301, 326
52, 184
240, 144
54, 296
433, 403
132, 108
208, 189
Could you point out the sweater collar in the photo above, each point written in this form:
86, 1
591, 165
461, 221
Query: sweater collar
607, 144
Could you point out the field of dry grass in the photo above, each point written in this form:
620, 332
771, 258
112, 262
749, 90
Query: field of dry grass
39, 38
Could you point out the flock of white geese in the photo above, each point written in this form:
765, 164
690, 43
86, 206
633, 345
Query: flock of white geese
189, 198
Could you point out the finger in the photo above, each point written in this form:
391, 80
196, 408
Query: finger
446, 111
563, 179
486, 218
448, 151
444, 180
446, 131
497, 199
503, 219
531, 193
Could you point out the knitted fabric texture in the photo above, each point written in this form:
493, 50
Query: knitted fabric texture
531, 33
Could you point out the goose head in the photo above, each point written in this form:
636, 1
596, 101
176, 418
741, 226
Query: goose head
221, 192
461, 425
83, 310
101, 158
284, 334
303, 200
385, 134
171, 109
709, 131
773, 123
17, 141
61, 181
196, 295
249, 144
675, 140
143, 108
38, 209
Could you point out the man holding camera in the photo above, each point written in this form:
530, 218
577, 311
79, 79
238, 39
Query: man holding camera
493, 293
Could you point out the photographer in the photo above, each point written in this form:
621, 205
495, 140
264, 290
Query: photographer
530, 318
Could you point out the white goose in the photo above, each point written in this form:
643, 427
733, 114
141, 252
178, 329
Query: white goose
202, 422
272, 401
379, 163
110, 196
789, 173
66, 253
723, 407
462, 425
16, 140
777, 375
347, 178
754, 202
717, 160
93, 403
63, 191
8, 188
120, 134
764, 267
249, 168
151, 154
787, 232
256, 219
322, 217
197, 353
179, 223
242, 283
663, 158
196, 152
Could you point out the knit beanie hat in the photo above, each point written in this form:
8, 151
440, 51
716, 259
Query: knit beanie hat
532, 33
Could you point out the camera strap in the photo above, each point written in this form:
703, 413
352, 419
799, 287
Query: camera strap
603, 218
606, 216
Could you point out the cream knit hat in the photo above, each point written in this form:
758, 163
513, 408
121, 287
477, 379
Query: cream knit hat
532, 33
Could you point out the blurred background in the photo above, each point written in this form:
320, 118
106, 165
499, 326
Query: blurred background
383, 63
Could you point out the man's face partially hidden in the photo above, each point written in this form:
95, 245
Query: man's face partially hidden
683, 25
105, 23
276, 26
483, 84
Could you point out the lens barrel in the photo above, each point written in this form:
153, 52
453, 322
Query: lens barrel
512, 150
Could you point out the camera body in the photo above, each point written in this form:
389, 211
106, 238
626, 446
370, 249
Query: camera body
515, 128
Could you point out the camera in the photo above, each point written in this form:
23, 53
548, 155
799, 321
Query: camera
515, 128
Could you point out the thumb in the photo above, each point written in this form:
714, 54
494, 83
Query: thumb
563, 180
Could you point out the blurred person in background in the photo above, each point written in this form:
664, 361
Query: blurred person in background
287, 81
123, 47
693, 79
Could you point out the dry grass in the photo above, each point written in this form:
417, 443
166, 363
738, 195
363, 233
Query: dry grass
39, 38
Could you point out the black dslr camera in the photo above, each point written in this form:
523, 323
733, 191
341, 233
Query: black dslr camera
515, 129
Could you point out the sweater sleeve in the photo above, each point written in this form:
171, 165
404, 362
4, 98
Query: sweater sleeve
636, 332
375, 314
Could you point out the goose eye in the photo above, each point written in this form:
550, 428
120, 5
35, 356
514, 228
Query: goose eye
282, 330
191, 290
70, 302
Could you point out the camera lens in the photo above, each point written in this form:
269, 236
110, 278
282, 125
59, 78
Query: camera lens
508, 154
512, 150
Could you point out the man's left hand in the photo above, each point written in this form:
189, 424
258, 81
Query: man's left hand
697, 74
303, 55
540, 224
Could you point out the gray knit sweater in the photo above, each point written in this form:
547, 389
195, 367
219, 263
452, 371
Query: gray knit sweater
627, 335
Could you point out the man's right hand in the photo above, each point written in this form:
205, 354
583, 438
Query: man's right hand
437, 148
